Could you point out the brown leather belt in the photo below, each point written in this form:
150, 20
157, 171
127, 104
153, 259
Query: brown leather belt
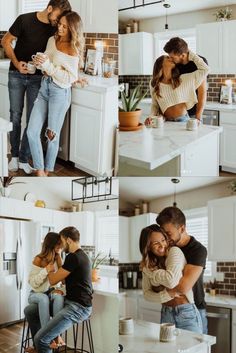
176, 301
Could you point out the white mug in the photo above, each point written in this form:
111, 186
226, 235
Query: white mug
168, 332
38, 54
30, 67
157, 121
126, 326
192, 124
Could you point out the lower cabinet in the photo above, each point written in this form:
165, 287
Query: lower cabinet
149, 311
233, 335
228, 138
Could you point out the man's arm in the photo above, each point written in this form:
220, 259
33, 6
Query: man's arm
6, 43
55, 277
202, 96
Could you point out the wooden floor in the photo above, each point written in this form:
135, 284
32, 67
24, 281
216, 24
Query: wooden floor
10, 338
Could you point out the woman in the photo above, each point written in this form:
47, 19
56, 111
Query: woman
60, 64
162, 267
173, 94
42, 294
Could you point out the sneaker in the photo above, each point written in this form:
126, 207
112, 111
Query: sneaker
13, 165
26, 167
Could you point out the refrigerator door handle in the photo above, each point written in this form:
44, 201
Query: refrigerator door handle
17, 264
21, 267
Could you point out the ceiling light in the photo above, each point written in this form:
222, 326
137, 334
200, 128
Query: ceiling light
167, 6
175, 181
135, 6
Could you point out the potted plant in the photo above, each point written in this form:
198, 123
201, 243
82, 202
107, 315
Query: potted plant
213, 286
223, 14
95, 266
5, 183
129, 113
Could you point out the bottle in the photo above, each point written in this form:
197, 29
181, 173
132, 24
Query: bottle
128, 28
135, 26
144, 207
137, 210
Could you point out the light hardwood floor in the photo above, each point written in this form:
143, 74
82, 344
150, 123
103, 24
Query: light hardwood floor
10, 338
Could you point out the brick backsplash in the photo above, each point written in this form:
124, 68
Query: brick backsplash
228, 286
214, 84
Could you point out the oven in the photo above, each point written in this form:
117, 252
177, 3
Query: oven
211, 117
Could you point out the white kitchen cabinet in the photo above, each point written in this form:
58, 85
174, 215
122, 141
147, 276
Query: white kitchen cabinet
43, 215
97, 16
228, 138
8, 14
5, 105
122, 305
136, 54
222, 229
92, 135
137, 223
124, 239
60, 220
84, 222
149, 311
216, 42
233, 341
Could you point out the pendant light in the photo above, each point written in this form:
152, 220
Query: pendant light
166, 6
175, 181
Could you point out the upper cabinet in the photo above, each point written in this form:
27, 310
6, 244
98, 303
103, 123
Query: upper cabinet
97, 16
228, 137
136, 54
8, 14
216, 42
124, 239
222, 229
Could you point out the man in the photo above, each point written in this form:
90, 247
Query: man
31, 32
178, 50
76, 271
173, 222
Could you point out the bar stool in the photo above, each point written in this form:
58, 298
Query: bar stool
86, 325
26, 338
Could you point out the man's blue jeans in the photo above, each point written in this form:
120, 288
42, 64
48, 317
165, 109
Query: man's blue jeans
71, 313
184, 316
20, 85
204, 320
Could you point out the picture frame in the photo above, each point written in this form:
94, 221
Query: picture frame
226, 94
90, 62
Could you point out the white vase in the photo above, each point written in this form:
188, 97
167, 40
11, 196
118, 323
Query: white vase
5, 192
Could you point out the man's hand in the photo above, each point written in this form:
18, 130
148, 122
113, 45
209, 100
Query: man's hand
58, 291
172, 292
22, 67
50, 268
158, 289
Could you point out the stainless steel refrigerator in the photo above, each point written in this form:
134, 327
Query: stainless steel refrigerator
19, 243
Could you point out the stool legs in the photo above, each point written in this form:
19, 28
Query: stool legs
85, 324
25, 336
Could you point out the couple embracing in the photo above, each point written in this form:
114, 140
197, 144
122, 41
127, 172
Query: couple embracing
172, 268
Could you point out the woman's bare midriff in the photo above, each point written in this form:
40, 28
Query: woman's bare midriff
175, 111
177, 301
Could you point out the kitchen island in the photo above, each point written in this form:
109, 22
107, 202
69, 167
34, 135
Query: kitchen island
104, 318
171, 150
146, 339
5, 127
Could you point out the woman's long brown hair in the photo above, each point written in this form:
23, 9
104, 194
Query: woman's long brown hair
157, 75
50, 241
150, 260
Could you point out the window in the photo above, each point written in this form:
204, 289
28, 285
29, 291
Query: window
107, 234
197, 225
26, 6
161, 38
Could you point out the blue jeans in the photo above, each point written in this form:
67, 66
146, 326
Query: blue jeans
71, 313
180, 119
184, 316
43, 301
204, 320
52, 103
20, 85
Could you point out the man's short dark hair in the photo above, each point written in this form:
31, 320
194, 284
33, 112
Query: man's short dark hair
176, 45
63, 5
70, 232
171, 215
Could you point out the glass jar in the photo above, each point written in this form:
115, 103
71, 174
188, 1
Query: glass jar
109, 66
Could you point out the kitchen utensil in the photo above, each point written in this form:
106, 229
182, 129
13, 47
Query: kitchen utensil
126, 326
129, 280
125, 283
135, 276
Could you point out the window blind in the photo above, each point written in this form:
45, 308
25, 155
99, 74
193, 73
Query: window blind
108, 236
34, 5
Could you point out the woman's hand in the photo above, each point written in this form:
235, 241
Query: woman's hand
58, 291
39, 59
148, 121
50, 268
81, 81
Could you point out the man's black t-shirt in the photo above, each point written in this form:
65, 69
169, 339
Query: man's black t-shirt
78, 283
196, 254
187, 69
32, 37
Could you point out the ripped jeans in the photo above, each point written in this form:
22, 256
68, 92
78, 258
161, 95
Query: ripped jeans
52, 103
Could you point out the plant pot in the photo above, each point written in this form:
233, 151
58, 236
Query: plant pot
5, 192
95, 273
130, 119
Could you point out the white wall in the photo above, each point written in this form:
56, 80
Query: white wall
101, 206
180, 21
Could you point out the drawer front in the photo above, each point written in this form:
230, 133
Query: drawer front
3, 78
228, 118
234, 317
88, 99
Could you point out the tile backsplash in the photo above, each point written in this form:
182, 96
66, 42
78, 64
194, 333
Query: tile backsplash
228, 286
214, 84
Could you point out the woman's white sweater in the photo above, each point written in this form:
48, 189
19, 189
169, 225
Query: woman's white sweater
63, 68
38, 279
168, 278
185, 93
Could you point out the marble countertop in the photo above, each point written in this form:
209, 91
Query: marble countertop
149, 148
146, 339
5, 125
106, 286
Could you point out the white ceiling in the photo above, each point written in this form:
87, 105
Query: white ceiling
150, 188
177, 6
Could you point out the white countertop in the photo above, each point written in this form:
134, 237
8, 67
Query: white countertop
220, 107
106, 286
146, 339
5, 125
149, 148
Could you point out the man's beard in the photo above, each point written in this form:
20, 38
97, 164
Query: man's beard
66, 249
52, 23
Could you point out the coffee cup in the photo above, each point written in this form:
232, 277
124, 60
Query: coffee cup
156, 121
168, 332
192, 124
38, 54
126, 326
31, 67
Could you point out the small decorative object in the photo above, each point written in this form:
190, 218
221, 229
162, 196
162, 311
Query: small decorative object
137, 210
95, 269
40, 203
128, 28
135, 26
223, 14
5, 183
213, 286
232, 186
129, 114
144, 207
109, 66
226, 94
30, 197
91, 62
